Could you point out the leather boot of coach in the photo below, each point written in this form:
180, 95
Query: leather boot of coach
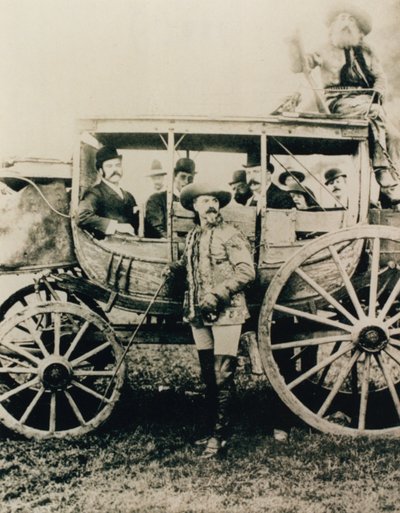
225, 367
207, 372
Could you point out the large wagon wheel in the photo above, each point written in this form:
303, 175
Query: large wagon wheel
334, 359
34, 294
58, 373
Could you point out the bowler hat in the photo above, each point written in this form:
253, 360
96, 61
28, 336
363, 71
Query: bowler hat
238, 176
332, 174
185, 165
298, 175
194, 190
362, 18
106, 153
156, 169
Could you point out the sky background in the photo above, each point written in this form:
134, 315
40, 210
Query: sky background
66, 59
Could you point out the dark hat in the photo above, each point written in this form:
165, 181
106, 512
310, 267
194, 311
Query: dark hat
362, 18
332, 174
299, 175
106, 153
254, 159
238, 176
185, 165
194, 190
156, 169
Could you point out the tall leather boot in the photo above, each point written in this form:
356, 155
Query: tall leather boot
225, 367
207, 373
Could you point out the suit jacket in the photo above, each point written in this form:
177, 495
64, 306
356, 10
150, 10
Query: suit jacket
156, 215
101, 204
276, 198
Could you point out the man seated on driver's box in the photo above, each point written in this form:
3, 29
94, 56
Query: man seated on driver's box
105, 208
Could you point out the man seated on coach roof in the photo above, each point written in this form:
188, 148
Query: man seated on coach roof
240, 187
275, 197
336, 182
105, 208
156, 215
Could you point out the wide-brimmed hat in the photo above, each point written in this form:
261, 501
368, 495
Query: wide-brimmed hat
332, 174
238, 176
362, 18
106, 153
299, 175
156, 169
185, 165
194, 190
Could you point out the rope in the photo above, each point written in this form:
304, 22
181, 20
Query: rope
40, 194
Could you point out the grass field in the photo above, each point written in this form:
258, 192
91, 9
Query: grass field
144, 461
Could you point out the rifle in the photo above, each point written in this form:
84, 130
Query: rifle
319, 98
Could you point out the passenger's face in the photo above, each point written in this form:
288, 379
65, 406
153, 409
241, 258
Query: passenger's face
344, 31
253, 176
112, 170
182, 179
207, 207
338, 186
299, 200
158, 182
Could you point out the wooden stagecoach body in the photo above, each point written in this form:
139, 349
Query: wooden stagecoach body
326, 287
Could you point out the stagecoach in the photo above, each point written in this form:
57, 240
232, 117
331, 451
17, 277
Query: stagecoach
325, 300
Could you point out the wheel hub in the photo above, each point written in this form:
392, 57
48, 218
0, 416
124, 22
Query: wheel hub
372, 339
56, 373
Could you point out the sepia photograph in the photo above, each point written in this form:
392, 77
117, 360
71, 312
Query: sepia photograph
200, 256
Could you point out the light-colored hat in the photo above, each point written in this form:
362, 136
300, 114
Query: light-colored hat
156, 169
299, 175
362, 18
194, 190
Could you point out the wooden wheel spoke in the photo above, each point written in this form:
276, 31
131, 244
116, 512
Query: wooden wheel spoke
326, 295
52, 419
311, 342
392, 355
77, 339
18, 389
373, 288
389, 302
90, 391
18, 370
389, 382
14, 360
34, 334
339, 381
75, 408
320, 366
347, 282
18, 350
393, 342
392, 320
57, 333
364, 392
89, 354
100, 373
324, 373
312, 317
31, 405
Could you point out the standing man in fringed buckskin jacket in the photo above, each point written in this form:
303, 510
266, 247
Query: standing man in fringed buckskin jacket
219, 266
351, 67
105, 208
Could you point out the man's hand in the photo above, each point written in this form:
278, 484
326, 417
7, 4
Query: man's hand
125, 228
209, 304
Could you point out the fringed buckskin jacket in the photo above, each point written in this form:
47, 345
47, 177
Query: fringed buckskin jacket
218, 261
